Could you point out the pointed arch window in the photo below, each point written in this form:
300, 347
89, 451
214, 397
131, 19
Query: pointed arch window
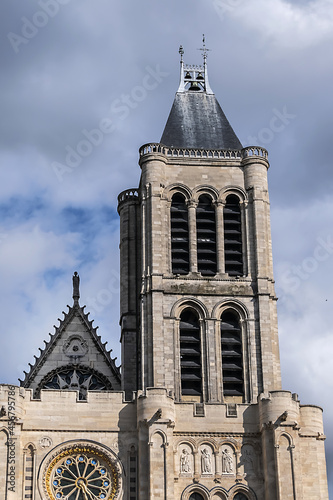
232, 354
179, 235
233, 248
190, 353
29, 466
206, 236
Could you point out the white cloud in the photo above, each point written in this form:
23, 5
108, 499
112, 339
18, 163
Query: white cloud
30, 251
282, 23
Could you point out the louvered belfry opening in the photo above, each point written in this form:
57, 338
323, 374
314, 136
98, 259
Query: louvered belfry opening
179, 235
206, 236
233, 250
190, 353
232, 354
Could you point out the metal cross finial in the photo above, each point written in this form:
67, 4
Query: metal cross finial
204, 48
181, 52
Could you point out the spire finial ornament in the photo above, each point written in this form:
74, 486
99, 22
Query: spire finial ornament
181, 52
182, 82
76, 288
204, 48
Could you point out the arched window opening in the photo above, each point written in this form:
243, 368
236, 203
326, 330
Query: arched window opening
196, 496
29, 471
190, 353
232, 354
233, 251
179, 235
206, 236
240, 496
133, 474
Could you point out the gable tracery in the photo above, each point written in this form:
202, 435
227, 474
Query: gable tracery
75, 378
75, 347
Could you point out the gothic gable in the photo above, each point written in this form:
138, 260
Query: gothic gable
74, 358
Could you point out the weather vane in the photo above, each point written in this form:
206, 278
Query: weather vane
204, 48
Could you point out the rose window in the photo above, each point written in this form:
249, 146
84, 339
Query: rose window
81, 474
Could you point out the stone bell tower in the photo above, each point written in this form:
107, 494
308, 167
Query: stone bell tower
199, 321
195, 245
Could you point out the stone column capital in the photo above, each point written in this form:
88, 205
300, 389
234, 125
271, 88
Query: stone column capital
191, 204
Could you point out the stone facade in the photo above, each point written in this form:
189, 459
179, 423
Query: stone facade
273, 449
198, 412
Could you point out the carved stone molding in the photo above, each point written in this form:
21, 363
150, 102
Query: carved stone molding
45, 442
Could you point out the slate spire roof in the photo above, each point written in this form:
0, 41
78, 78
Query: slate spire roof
196, 119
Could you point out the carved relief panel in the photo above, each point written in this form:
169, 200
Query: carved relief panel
185, 460
75, 346
228, 459
207, 460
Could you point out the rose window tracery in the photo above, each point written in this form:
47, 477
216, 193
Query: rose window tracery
76, 379
81, 473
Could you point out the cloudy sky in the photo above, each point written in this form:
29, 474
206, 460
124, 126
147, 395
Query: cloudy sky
72, 67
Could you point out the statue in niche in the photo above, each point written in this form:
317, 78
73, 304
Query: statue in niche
227, 462
185, 461
206, 461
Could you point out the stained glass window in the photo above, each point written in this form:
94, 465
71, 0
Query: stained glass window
81, 474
